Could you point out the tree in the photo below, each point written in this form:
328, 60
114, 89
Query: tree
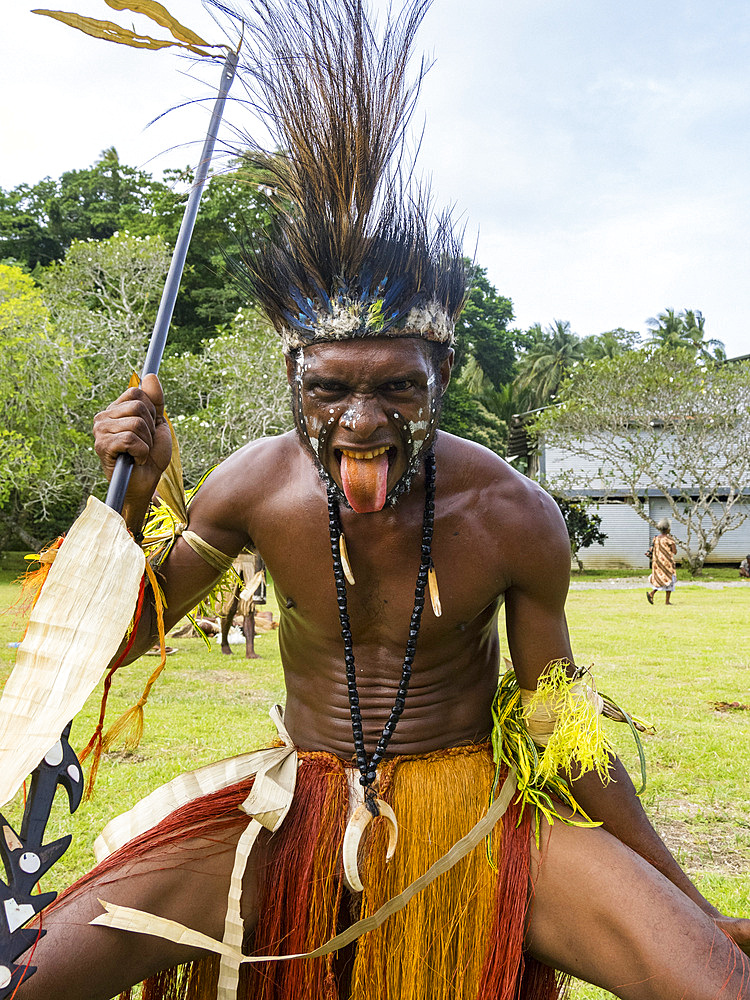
686, 329
584, 527
610, 344
482, 330
235, 204
464, 414
547, 363
39, 375
662, 421
483, 365
39, 222
234, 391
104, 295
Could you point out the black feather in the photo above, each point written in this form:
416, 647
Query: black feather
334, 95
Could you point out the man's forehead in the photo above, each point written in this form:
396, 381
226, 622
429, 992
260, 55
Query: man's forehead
392, 353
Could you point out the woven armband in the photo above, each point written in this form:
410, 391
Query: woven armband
215, 558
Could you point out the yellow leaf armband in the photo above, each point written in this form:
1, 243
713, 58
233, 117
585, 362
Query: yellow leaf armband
553, 733
563, 717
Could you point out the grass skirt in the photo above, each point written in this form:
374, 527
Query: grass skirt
459, 939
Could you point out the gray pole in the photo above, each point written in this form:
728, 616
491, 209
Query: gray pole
121, 476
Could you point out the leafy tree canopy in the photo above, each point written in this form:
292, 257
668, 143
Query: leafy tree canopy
483, 365
659, 419
610, 344
40, 222
234, 391
234, 205
39, 376
551, 356
103, 297
482, 331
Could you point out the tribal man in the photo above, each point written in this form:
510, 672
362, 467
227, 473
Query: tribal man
390, 686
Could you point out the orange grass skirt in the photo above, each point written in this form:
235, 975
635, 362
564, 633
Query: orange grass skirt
459, 939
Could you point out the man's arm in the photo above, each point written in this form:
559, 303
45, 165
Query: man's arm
537, 635
135, 423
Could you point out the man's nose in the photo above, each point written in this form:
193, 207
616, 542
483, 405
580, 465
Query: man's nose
363, 417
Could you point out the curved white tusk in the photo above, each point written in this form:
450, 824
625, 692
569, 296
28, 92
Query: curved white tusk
434, 592
345, 564
355, 829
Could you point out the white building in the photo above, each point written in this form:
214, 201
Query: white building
628, 534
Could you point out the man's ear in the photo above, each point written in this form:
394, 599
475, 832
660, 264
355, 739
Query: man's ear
445, 370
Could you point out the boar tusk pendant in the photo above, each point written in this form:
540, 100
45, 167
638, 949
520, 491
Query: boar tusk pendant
434, 592
361, 818
345, 564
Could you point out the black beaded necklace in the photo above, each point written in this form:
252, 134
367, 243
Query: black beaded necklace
368, 766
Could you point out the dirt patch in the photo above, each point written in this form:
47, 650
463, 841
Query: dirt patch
719, 843
126, 756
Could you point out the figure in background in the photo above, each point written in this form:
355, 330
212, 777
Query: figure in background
249, 591
745, 567
663, 569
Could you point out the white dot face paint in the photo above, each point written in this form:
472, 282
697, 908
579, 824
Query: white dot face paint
350, 418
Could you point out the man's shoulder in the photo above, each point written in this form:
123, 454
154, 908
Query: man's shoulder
256, 470
247, 488
262, 455
472, 466
510, 505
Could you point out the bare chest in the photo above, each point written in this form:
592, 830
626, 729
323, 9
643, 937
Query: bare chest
384, 556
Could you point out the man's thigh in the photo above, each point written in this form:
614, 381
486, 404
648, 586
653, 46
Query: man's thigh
603, 914
187, 881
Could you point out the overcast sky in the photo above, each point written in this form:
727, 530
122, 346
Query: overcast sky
599, 149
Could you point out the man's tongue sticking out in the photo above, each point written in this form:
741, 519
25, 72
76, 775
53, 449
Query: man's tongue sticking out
365, 481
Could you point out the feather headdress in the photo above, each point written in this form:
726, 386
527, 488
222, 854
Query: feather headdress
355, 251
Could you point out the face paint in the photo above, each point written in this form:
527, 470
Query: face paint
367, 450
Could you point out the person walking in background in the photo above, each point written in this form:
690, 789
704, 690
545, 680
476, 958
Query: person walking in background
745, 567
663, 569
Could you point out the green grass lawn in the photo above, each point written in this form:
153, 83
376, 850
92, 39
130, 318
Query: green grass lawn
710, 574
671, 666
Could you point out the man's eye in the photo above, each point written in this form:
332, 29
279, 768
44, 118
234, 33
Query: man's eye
326, 388
401, 386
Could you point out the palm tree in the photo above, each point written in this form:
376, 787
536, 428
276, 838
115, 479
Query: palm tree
685, 329
668, 330
547, 362
695, 328
506, 401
